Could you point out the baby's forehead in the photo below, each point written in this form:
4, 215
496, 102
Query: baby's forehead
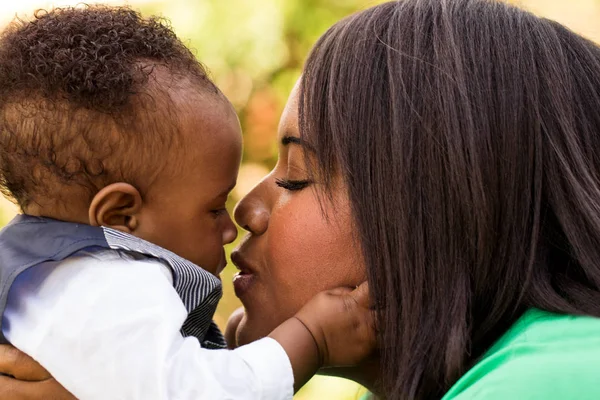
205, 121
208, 146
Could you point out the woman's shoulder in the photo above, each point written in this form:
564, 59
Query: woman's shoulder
543, 355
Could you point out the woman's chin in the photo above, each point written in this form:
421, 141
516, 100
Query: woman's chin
249, 330
233, 324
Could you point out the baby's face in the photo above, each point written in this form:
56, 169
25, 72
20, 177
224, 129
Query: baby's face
184, 211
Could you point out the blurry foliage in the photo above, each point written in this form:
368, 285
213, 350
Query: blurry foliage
255, 50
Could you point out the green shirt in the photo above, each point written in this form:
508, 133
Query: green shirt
542, 356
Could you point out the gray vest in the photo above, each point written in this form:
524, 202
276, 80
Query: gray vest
29, 241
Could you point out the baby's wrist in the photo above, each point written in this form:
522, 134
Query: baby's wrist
301, 347
318, 343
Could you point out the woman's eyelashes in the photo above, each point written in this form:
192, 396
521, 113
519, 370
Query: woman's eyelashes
294, 169
292, 185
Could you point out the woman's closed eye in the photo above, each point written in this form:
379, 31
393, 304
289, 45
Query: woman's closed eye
292, 184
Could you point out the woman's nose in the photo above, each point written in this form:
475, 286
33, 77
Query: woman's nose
252, 214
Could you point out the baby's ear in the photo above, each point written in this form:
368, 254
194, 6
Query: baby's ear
116, 206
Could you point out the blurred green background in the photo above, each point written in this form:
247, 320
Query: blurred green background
255, 50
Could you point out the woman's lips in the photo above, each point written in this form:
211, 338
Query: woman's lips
243, 280
242, 283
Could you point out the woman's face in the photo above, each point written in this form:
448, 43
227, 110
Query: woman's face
296, 246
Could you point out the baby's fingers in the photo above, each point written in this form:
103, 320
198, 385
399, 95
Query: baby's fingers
339, 291
361, 295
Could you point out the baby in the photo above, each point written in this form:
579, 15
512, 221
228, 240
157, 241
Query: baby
121, 153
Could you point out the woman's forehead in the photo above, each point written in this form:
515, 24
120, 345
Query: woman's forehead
288, 124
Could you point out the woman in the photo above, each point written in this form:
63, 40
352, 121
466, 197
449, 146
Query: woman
447, 150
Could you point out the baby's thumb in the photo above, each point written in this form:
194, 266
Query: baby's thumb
361, 294
340, 291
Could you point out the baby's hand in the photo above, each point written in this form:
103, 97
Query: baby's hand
342, 325
334, 329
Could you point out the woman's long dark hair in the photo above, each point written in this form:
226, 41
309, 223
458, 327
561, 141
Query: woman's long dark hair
468, 132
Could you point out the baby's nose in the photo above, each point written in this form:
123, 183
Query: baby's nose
230, 232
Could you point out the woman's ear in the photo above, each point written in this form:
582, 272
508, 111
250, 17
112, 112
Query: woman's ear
116, 206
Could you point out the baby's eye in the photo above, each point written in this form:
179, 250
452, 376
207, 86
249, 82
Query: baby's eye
219, 212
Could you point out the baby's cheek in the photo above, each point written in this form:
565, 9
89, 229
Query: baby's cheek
213, 254
204, 247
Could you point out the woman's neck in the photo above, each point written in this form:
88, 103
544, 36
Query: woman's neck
366, 374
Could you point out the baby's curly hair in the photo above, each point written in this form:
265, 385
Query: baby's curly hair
82, 98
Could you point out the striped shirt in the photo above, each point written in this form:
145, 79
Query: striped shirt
123, 319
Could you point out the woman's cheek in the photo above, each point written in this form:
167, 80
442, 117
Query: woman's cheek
304, 254
308, 252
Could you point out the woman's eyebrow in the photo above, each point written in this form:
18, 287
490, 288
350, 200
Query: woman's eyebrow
288, 139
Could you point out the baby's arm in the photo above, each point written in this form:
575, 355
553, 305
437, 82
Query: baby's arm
334, 329
110, 330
